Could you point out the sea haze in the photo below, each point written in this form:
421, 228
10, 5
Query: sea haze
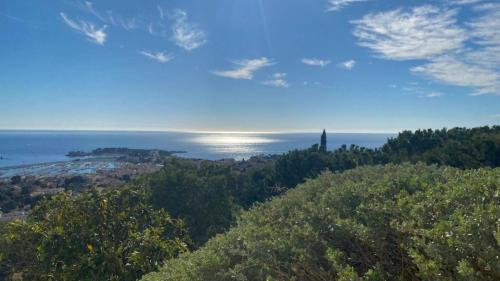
32, 147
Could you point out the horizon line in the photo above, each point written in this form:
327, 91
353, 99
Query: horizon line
308, 131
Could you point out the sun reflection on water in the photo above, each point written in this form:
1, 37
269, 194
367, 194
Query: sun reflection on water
234, 143
232, 139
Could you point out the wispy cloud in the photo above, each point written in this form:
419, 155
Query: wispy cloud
336, 5
462, 2
19, 20
422, 92
432, 34
94, 34
245, 68
117, 20
418, 33
348, 64
161, 12
278, 80
473, 67
185, 34
111, 18
316, 62
433, 94
11, 17
157, 56
453, 71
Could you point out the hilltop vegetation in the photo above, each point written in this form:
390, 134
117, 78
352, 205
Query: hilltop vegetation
375, 223
458, 147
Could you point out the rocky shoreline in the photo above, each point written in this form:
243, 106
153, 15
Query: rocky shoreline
127, 154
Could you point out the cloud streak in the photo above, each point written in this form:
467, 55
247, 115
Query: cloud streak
245, 68
111, 18
157, 56
93, 34
462, 2
349, 65
278, 80
185, 34
337, 5
316, 62
453, 71
421, 92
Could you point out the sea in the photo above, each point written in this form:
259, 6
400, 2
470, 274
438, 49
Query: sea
21, 148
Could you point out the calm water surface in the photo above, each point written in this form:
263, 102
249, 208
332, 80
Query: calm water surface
32, 147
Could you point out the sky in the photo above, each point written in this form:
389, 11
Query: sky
249, 65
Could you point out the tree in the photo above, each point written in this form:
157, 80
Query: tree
115, 235
322, 147
201, 194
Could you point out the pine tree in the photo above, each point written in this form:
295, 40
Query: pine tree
322, 146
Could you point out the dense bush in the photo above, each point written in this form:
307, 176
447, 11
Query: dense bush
12, 198
199, 193
408, 222
115, 235
457, 147
206, 195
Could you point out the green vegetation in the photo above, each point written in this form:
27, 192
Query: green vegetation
206, 195
407, 222
458, 147
113, 235
13, 197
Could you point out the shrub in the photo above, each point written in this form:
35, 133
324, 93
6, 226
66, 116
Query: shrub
407, 222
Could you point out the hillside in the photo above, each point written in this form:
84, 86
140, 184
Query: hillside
393, 222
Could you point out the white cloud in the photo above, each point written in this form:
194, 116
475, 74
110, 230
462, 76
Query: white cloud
187, 35
278, 80
315, 62
462, 2
245, 68
94, 34
348, 64
485, 29
433, 94
161, 12
466, 55
419, 33
89, 6
336, 5
111, 18
117, 20
157, 56
478, 67
453, 71
422, 92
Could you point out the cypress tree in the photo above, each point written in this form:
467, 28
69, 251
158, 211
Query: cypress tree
322, 146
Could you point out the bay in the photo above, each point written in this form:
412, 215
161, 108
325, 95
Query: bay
33, 147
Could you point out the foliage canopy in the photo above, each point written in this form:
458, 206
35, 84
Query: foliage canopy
115, 235
407, 222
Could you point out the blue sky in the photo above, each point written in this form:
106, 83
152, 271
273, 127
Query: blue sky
249, 65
